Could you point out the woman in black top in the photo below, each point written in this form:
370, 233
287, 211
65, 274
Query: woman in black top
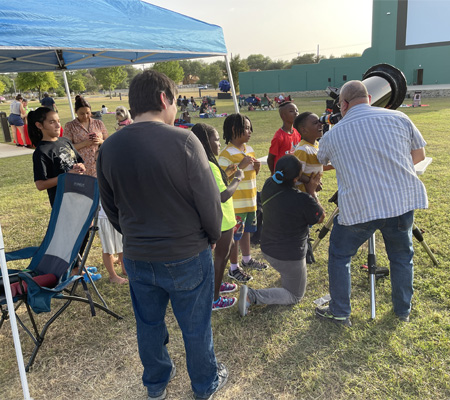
287, 214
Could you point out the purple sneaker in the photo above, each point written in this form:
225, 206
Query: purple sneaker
223, 302
226, 287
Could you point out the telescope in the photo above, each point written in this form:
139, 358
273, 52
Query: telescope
386, 85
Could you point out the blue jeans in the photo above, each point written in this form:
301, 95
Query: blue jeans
345, 242
189, 284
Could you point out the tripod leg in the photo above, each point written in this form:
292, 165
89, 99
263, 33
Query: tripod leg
325, 229
418, 235
372, 264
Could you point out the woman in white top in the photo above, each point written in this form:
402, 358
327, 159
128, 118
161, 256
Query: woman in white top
15, 119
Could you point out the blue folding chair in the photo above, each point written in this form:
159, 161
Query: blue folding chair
51, 274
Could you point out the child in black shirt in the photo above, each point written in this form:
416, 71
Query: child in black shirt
54, 155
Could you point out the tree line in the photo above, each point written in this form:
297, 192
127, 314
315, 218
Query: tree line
182, 72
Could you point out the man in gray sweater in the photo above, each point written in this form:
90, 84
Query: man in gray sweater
158, 190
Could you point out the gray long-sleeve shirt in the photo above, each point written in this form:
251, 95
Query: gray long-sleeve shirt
158, 190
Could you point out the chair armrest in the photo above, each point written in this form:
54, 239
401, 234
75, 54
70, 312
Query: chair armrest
22, 254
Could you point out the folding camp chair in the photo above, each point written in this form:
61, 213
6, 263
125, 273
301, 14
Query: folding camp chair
50, 274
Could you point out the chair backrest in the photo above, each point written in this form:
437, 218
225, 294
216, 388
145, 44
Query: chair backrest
76, 201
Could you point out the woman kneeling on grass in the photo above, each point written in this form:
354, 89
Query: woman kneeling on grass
287, 214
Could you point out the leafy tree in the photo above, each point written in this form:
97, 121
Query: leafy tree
277, 64
211, 74
237, 65
349, 55
8, 83
2, 87
110, 77
172, 69
40, 81
221, 64
77, 85
309, 58
90, 81
131, 73
192, 70
258, 61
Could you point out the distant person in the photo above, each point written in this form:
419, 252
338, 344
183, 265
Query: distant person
104, 109
374, 151
54, 155
158, 190
26, 110
210, 140
269, 101
185, 101
48, 101
15, 119
204, 108
285, 138
194, 104
287, 215
86, 134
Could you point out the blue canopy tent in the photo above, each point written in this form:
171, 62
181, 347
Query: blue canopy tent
55, 35
58, 35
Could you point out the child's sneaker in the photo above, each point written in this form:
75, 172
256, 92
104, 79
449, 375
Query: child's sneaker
254, 264
226, 287
239, 275
223, 302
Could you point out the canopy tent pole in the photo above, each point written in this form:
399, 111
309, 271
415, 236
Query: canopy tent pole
12, 318
233, 91
66, 84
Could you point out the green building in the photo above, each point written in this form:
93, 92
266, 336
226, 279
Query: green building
411, 35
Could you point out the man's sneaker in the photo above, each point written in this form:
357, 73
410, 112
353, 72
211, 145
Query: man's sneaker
404, 318
325, 313
222, 373
254, 264
224, 302
226, 287
244, 304
163, 395
239, 275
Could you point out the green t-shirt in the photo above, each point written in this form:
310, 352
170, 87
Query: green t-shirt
228, 219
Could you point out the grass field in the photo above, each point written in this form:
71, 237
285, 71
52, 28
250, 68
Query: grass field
275, 352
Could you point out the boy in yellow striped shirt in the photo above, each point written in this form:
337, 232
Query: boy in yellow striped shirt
311, 129
237, 131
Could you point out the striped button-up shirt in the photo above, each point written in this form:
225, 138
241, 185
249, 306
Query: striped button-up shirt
371, 151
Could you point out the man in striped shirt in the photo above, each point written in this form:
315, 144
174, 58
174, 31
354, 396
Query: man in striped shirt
373, 151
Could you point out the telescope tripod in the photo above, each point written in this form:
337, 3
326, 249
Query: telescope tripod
374, 271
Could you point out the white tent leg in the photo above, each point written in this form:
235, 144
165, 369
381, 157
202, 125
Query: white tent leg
12, 318
66, 84
230, 78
